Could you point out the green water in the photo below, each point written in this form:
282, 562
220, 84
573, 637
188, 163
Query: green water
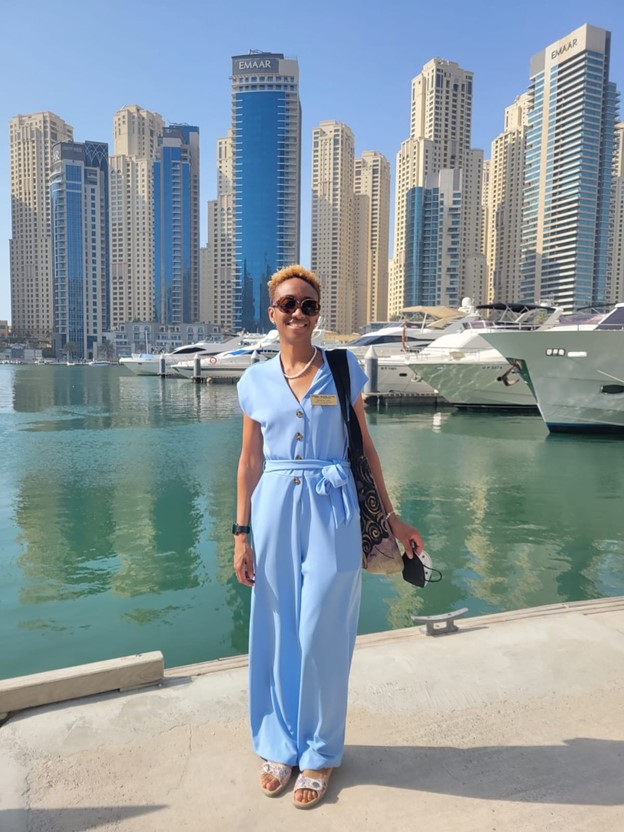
117, 497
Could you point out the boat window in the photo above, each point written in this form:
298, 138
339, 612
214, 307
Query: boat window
615, 320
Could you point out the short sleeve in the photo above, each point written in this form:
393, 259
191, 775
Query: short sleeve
243, 388
358, 376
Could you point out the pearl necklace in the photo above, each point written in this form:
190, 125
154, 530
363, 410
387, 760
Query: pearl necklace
305, 369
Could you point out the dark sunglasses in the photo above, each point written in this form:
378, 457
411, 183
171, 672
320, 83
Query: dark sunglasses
288, 304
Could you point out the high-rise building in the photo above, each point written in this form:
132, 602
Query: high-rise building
333, 223
616, 267
439, 143
569, 155
176, 225
442, 111
266, 175
220, 263
505, 196
136, 137
372, 221
31, 140
414, 162
80, 251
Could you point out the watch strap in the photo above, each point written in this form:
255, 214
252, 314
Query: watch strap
238, 529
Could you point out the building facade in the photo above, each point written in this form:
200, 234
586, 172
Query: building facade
80, 247
569, 156
616, 267
137, 133
504, 205
32, 138
427, 184
372, 227
333, 242
266, 178
176, 225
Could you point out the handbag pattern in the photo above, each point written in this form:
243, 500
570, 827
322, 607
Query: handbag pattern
380, 551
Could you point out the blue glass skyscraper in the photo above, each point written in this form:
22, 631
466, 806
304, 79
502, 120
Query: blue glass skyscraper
568, 171
80, 250
176, 225
266, 147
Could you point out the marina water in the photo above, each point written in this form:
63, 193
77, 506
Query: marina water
118, 494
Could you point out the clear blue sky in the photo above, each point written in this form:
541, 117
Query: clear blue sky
356, 60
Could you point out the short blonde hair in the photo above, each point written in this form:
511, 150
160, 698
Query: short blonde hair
291, 272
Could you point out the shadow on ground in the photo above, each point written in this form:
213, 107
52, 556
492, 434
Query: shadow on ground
581, 771
68, 820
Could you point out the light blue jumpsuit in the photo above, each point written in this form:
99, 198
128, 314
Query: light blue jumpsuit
308, 550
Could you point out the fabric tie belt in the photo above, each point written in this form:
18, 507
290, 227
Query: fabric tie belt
334, 482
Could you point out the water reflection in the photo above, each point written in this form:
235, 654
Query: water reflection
119, 492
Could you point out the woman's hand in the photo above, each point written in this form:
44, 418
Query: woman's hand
243, 561
406, 534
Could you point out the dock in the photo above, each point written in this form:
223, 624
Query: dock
513, 723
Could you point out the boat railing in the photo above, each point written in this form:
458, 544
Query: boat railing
436, 355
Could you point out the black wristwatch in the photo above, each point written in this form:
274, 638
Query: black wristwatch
236, 529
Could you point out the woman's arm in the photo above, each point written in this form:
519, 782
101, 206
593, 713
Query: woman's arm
249, 472
403, 532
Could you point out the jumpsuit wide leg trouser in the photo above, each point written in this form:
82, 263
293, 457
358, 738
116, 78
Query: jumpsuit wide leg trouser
304, 610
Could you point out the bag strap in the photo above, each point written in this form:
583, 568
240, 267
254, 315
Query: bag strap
339, 366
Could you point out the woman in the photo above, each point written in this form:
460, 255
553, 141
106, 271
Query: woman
296, 489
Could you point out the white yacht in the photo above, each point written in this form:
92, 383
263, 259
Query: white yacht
148, 364
394, 375
229, 365
422, 325
575, 373
468, 372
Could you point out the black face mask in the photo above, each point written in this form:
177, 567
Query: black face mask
418, 570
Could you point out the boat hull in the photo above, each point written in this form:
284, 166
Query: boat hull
577, 376
477, 384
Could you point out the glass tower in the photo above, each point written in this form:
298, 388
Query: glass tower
176, 225
570, 143
266, 182
80, 250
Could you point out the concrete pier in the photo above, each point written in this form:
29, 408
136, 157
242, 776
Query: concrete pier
515, 723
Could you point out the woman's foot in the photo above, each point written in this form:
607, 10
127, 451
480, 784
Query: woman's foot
274, 777
311, 787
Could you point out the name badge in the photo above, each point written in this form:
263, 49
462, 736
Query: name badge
324, 399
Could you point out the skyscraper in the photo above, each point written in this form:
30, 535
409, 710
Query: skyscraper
176, 225
372, 221
439, 143
569, 157
31, 140
266, 175
616, 266
506, 194
219, 260
333, 223
136, 136
79, 224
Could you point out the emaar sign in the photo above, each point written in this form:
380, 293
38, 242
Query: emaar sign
561, 50
248, 64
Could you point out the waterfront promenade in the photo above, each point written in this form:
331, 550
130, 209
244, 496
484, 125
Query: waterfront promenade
514, 723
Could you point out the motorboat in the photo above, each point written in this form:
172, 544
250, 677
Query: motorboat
395, 376
420, 326
576, 373
468, 372
149, 364
231, 364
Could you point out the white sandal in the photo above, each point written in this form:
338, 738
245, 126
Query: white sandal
281, 772
316, 784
